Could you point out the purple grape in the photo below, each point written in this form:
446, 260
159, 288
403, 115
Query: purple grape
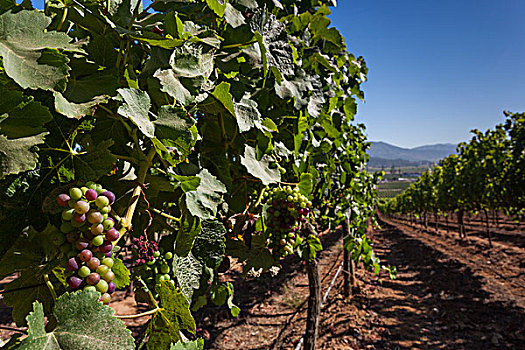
82, 244
93, 264
112, 235
63, 200
85, 255
72, 264
110, 195
88, 235
108, 254
91, 195
72, 237
94, 217
93, 278
81, 207
79, 218
74, 282
106, 247
111, 287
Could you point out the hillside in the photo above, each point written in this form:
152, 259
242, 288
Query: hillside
386, 154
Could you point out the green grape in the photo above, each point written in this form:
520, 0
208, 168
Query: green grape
156, 254
66, 227
84, 189
90, 288
102, 286
91, 185
102, 270
97, 241
108, 262
164, 268
105, 210
84, 271
99, 188
152, 262
168, 255
106, 298
75, 193
67, 214
101, 201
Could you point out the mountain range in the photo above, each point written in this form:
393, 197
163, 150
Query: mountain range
385, 154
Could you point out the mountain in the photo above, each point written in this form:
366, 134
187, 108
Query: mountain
381, 152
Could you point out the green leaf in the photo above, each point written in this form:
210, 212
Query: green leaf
306, 184
16, 155
260, 168
174, 316
163, 43
97, 162
122, 274
191, 345
188, 271
21, 298
190, 227
209, 246
222, 94
31, 249
247, 114
20, 115
136, 108
176, 134
77, 110
223, 294
203, 202
82, 323
233, 16
218, 6
173, 87
23, 38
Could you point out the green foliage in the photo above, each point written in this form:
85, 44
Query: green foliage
193, 107
71, 334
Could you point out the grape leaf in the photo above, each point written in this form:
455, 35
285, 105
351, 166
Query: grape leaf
190, 227
260, 168
77, 110
191, 345
122, 274
82, 323
233, 16
247, 114
23, 37
16, 155
306, 184
20, 115
223, 294
209, 246
20, 298
172, 85
204, 200
174, 315
31, 249
136, 108
218, 6
188, 270
97, 162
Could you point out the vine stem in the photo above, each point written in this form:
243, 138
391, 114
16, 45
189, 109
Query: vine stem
147, 313
50, 287
161, 213
62, 20
13, 329
143, 171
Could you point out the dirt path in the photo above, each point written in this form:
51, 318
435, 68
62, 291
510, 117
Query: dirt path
447, 296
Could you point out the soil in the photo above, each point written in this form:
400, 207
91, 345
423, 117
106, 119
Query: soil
449, 294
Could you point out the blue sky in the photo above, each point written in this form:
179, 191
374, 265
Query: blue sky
437, 69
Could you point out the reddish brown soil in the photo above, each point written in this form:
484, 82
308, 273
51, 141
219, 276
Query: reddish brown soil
448, 295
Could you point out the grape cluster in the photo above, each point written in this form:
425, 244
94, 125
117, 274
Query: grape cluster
90, 233
288, 207
149, 254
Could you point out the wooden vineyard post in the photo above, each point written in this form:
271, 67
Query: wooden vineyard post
314, 305
348, 264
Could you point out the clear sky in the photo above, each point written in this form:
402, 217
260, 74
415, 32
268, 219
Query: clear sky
437, 69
